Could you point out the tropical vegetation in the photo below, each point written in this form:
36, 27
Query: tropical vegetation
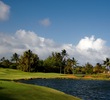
57, 62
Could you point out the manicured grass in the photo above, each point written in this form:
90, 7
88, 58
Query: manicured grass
12, 74
10, 90
19, 91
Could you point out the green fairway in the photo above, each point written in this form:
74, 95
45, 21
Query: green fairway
19, 91
10, 90
12, 74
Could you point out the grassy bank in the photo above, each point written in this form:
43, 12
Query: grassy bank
10, 90
19, 91
100, 76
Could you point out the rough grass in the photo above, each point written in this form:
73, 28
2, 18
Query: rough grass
100, 76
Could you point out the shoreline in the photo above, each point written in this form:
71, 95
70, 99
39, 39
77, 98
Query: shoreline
11, 74
67, 77
16, 75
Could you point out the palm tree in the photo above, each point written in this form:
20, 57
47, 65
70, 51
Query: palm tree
107, 64
98, 68
70, 64
64, 59
15, 57
2, 59
64, 53
74, 62
28, 61
59, 60
68, 68
88, 68
28, 55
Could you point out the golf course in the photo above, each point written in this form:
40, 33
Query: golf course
11, 90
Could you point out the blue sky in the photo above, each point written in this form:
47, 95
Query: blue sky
62, 21
70, 20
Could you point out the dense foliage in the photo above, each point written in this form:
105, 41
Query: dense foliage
58, 62
28, 62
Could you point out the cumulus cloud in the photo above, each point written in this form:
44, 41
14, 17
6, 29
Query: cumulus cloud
45, 22
90, 43
23, 40
92, 50
4, 11
88, 49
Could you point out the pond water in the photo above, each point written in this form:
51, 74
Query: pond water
84, 89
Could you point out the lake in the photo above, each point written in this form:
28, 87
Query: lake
84, 89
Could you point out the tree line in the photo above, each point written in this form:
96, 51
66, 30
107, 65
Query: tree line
58, 62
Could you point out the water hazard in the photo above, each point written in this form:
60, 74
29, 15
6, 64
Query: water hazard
84, 89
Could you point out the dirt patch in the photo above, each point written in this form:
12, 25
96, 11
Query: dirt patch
88, 77
71, 76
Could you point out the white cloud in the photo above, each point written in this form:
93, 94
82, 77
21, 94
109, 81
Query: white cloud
4, 11
88, 49
92, 50
45, 22
23, 40
91, 43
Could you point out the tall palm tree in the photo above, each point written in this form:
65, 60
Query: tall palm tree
28, 61
64, 60
27, 56
107, 63
15, 57
64, 54
68, 68
74, 62
59, 60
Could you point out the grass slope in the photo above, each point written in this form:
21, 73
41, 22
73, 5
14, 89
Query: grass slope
10, 90
18, 91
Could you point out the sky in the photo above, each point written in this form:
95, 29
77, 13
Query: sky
82, 27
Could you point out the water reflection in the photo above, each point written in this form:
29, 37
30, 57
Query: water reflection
85, 89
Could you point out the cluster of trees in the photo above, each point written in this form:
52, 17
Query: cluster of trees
57, 62
89, 69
